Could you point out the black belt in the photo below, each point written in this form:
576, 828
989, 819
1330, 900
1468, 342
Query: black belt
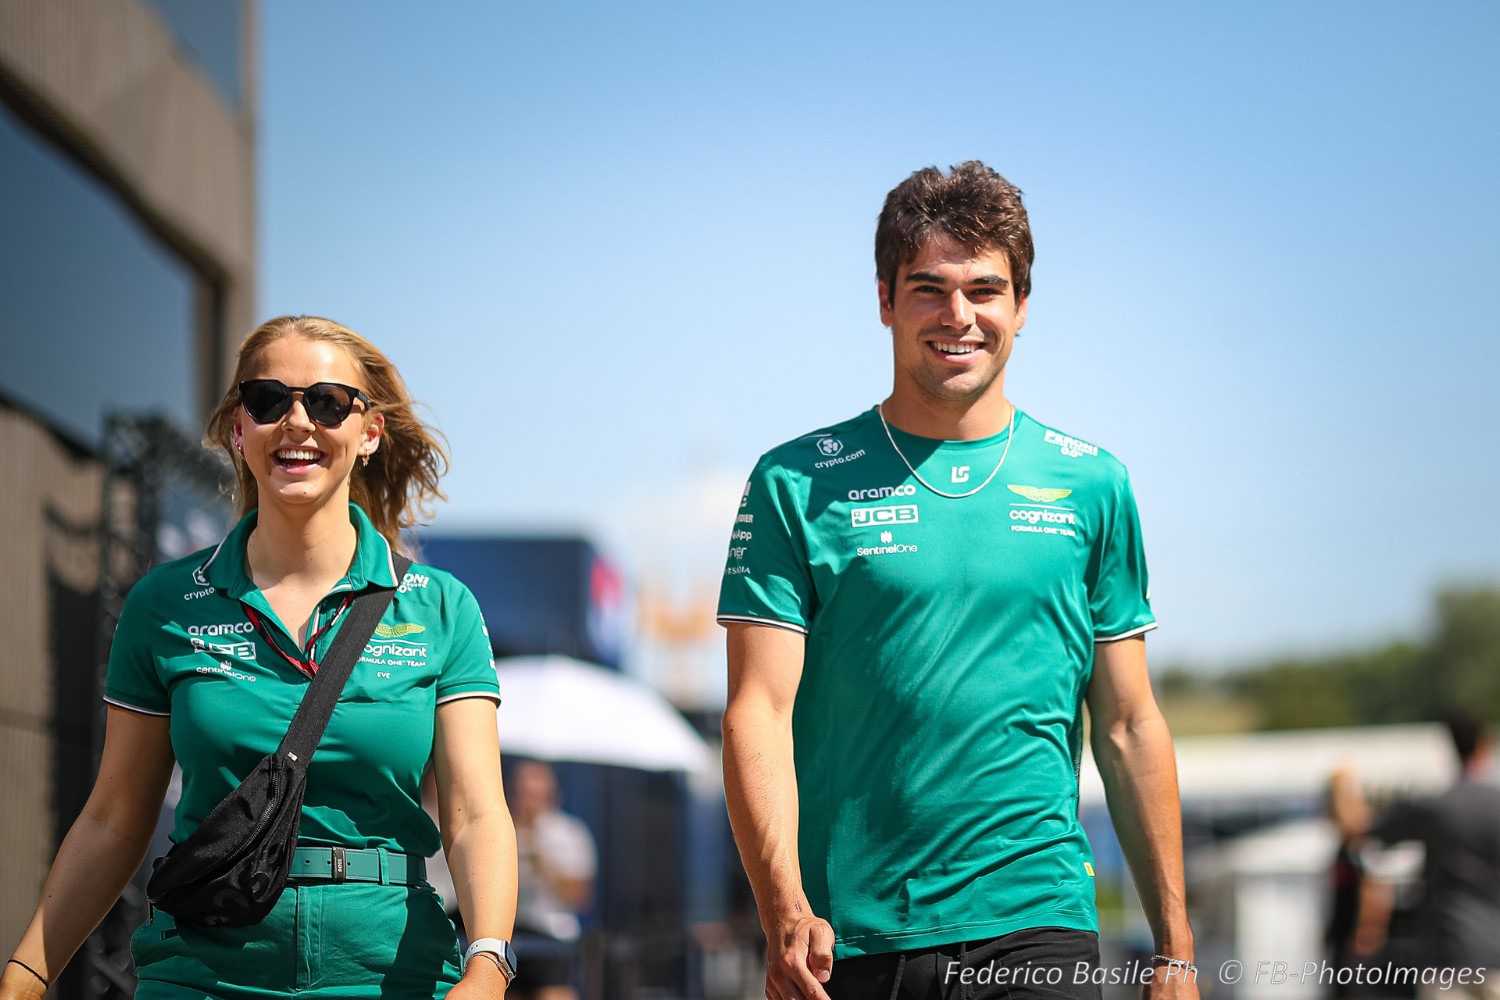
342, 864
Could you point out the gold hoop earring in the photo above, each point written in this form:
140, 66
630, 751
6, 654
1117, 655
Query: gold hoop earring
364, 460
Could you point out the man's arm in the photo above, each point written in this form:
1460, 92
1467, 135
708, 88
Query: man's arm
1134, 752
760, 785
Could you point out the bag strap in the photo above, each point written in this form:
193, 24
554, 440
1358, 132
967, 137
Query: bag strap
306, 731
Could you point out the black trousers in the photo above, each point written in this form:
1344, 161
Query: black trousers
1040, 963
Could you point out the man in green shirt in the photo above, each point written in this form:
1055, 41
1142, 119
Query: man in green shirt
919, 601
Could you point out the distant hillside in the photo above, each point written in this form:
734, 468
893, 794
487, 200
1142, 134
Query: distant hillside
1456, 665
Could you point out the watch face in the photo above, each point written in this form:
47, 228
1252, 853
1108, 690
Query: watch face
494, 948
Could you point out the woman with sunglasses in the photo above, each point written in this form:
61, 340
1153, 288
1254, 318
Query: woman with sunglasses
209, 661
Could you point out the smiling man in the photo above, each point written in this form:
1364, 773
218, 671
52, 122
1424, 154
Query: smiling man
919, 601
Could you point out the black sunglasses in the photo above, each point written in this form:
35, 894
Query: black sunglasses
326, 403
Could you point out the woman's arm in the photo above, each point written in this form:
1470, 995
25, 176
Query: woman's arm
101, 851
478, 836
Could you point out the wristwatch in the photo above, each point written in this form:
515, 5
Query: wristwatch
496, 950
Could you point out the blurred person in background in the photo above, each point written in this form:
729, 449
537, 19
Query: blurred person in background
918, 602
1459, 913
1360, 911
210, 659
558, 863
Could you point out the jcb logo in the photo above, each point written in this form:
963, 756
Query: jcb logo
238, 650
870, 517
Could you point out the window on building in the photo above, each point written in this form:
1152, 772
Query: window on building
209, 31
96, 314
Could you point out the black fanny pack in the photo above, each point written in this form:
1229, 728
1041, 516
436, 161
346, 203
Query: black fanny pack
230, 870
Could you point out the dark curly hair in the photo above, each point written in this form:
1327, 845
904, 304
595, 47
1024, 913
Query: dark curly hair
971, 204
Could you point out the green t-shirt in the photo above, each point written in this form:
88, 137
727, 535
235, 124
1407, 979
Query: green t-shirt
186, 648
937, 728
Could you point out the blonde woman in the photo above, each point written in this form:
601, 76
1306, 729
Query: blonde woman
209, 662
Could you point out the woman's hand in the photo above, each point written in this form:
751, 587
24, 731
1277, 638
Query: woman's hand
17, 983
482, 980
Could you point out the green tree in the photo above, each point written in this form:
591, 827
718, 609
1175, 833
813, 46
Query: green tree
1456, 665
1460, 666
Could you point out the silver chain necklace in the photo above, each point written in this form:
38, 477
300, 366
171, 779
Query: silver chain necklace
1010, 436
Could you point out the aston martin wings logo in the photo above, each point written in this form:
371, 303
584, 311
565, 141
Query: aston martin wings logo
398, 631
1039, 494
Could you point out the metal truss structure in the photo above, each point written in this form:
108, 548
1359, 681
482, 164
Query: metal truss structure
152, 474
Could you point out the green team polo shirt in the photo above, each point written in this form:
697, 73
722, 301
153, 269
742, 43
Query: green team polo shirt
937, 728
185, 648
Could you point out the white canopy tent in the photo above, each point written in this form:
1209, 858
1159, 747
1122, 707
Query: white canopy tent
560, 709
1297, 763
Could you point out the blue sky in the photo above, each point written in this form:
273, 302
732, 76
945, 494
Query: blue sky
620, 250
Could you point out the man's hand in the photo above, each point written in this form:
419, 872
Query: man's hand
799, 959
1171, 983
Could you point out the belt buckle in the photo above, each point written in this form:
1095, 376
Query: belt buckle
340, 871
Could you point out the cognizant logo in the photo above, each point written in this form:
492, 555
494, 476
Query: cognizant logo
881, 492
1035, 516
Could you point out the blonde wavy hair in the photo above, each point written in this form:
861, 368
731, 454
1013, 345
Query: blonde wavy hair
400, 484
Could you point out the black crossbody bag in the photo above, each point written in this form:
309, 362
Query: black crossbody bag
230, 870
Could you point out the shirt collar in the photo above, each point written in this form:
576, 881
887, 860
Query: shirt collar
373, 563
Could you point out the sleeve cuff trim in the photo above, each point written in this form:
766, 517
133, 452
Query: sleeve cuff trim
134, 708
1126, 635
773, 622
491, 695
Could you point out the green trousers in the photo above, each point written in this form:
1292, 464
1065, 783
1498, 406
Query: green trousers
321, 942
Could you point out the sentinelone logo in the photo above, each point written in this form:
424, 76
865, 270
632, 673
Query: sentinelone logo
225, 670
885, 550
